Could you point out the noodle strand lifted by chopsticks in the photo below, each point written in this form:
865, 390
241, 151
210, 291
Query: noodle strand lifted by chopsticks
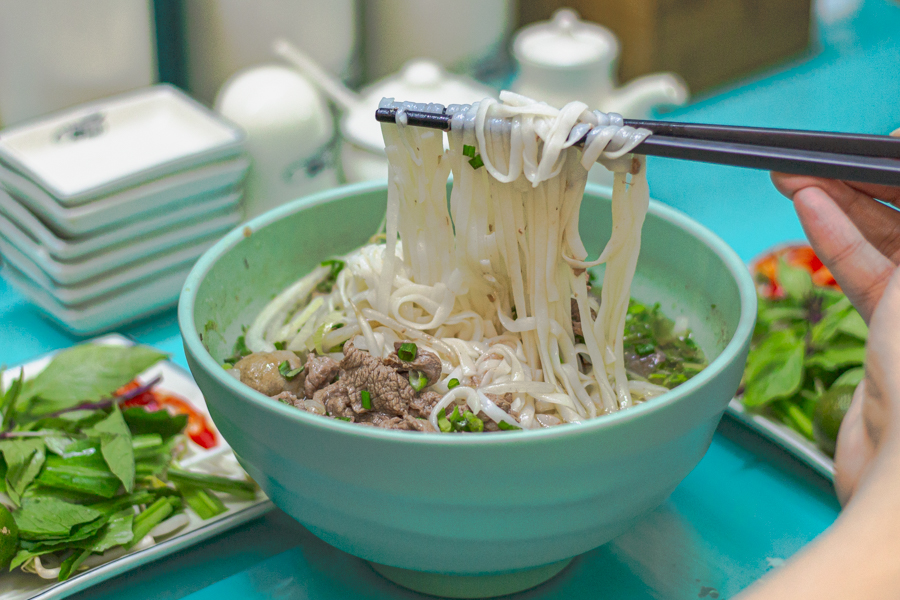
495, 282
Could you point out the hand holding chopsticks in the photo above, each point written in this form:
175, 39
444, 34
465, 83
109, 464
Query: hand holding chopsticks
853, 157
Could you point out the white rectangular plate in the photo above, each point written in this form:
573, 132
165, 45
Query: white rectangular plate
127, 206
21, 586
74, 282
94, 149
784, 437
58, 248
145, 298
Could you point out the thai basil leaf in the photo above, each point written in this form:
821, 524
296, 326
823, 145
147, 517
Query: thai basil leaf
69, 565
116, 532
86, 373
8, 400
115, 445
82, 469
796, 282
853, 325
835, 357
24, 458
850, 377
43, 518
25, 554
57, 444
141, 422
777, 369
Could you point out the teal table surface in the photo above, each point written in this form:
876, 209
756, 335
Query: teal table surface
745, 508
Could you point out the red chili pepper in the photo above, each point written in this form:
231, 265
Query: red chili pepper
198, 428
765, 269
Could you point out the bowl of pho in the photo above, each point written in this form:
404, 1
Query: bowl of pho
481, 368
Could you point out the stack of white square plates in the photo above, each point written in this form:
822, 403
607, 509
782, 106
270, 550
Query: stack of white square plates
105, 208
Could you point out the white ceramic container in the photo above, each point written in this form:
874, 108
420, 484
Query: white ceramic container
289, 129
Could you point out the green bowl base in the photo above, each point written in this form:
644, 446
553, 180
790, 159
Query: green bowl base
471, 586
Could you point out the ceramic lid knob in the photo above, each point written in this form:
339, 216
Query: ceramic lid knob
565, 41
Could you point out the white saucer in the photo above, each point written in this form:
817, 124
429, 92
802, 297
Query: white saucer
148, 200
93, 150
110, 282
150, 297
48, 246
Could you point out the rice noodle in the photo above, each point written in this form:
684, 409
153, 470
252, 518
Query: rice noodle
487, 283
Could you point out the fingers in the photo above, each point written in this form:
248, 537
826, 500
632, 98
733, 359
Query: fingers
879, 223
854, 450
860, 269
871, 427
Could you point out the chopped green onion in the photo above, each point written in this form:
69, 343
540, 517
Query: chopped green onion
452, 383
366, 399
473, 423
285, 369
227, 366
507, 427
418, 381
280, 345
342, 418
206, 504
240, 488
152, 516
407, 352
443, 423
644, 349
469, 151
326, 284
476, 162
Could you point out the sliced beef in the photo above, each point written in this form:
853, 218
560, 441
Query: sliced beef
427, 363
576, 318
386, 421
389, 390
260, 371
644, 365
320, 371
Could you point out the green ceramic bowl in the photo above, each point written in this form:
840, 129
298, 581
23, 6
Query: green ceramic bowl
465, 515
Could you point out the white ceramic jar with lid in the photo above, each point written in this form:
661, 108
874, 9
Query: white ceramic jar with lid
568, 59
289, 129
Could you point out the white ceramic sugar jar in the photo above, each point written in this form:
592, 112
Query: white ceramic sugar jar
289, 130
568, 59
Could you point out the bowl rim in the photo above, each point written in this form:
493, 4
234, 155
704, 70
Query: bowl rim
194, 346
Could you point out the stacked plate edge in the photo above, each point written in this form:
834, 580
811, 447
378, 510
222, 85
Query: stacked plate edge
105, 207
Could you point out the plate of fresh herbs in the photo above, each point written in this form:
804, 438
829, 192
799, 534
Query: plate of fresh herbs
806, 357
108, 460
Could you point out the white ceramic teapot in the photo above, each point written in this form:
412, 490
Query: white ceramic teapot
568, 59
362, 145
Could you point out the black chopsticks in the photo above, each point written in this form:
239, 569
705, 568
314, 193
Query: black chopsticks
853, 157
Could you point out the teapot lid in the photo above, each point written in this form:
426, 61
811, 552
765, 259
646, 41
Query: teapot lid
419, 80
565, 41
